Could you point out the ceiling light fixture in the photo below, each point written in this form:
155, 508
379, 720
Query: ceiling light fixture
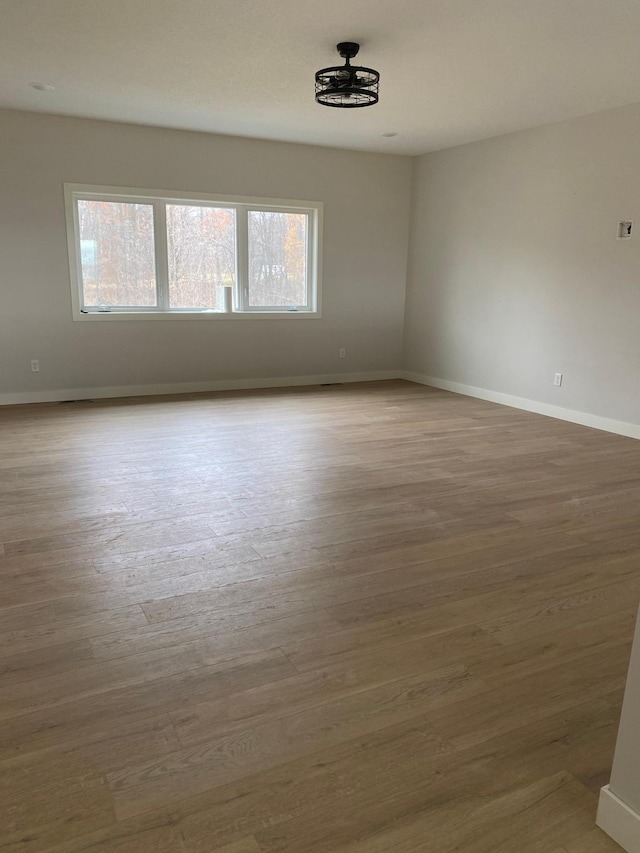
347, 86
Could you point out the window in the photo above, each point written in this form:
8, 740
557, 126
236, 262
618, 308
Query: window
277, 258
156, 254
117, 253
201, 250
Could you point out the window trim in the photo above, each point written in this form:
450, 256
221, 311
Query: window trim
158, 198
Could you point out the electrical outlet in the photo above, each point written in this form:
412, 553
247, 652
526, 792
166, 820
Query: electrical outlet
557, 379
35, 365
342, 352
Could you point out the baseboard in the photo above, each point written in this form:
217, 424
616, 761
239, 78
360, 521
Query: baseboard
619, 821
582, 418
58, 395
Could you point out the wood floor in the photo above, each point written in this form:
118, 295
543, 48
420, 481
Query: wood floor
375, 618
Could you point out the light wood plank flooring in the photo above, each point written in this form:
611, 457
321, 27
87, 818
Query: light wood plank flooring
374, 618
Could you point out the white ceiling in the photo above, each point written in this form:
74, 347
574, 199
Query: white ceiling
452, 71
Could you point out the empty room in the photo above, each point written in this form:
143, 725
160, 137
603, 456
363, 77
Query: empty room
319, 426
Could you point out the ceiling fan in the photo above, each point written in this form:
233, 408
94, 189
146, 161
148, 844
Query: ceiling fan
347, 86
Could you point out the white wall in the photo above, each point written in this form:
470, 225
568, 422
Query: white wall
514, 269
619, 807
515, 272
625, 775
366, 199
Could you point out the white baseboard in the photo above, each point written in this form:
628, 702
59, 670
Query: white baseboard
582, 418
619, 821
58, 395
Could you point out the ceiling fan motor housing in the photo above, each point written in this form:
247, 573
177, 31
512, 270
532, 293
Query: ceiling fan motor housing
348, 49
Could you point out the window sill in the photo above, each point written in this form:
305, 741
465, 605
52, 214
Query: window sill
143, 316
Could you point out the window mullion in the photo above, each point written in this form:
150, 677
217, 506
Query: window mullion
162, 257
78, 255
242, 256
309, 264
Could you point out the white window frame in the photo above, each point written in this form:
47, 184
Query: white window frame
239, 308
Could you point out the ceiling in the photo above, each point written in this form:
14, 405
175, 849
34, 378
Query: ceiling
452, 71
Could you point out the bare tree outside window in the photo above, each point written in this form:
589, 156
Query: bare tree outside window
277, 258
117, 253
201, 247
